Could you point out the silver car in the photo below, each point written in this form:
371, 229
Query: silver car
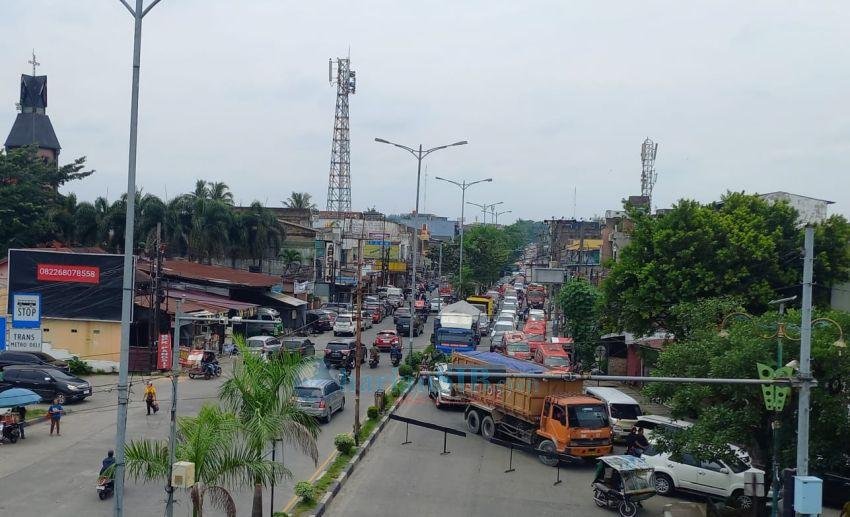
320, 398
263, 344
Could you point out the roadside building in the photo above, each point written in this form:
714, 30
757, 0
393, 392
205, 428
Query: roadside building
576, 245
32, 126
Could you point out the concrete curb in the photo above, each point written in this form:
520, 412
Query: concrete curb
334, 489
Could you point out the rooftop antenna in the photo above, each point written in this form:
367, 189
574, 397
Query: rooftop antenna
34, 62
648, 175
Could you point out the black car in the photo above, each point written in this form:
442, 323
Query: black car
403, 325
319, 320
300, 345
11, 357
340, 352
46, 381
401, 311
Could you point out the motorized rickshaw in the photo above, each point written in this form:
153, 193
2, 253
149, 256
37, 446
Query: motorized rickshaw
10, 426
201, 363
622, 482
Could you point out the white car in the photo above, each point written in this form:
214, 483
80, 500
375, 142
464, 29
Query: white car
440, 389
345, 325
651, 423
716, 477
365, 320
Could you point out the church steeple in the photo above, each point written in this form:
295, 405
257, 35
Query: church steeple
32, 125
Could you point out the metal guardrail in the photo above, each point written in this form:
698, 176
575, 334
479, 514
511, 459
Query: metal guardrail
427, 425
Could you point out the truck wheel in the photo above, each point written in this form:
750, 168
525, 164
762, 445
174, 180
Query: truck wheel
488, 427
627, 509
473, 422
547, 446
663, 484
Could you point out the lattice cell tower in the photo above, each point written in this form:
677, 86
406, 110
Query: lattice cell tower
339, 181
648, 174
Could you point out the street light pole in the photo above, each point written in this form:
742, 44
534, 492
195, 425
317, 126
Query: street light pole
419, 154
780, 334
497, 214
127, 299
463, 185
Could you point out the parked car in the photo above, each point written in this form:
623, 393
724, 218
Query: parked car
386, 339
345, 325
440, 388
263, 344
404, 322
300, 345
320, 398
46, 381
11, 357
341, 352
719, 477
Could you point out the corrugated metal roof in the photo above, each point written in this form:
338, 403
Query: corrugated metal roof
285, 298
224, 276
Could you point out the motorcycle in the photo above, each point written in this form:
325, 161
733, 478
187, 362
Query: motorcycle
344, 375
373, 360
105, 487
395, 356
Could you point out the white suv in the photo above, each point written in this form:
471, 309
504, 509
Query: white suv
345, 324
715, 477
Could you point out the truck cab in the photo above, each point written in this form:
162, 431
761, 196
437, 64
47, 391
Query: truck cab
574, 425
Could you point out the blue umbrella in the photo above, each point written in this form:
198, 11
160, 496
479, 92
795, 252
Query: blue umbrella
18, 397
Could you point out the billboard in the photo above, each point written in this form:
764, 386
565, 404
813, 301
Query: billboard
374, 249
86, 286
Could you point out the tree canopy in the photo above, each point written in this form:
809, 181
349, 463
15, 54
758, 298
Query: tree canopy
579, 301
742, 246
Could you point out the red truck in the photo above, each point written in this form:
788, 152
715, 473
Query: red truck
535, 296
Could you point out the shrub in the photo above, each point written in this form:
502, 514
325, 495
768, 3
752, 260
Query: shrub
405, 371
305, 490
344, 443
372, 412
79, 367
413, 360
396, 391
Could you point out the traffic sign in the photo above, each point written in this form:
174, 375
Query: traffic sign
24, 340
26, 311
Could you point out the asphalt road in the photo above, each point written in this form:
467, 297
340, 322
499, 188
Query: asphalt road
55, 476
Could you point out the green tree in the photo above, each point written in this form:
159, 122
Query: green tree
212, 441
30, 198
264, 232
579, 302
262, 395
743, 247
735, 413
302, 200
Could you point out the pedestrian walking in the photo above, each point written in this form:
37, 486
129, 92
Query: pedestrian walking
22, 417
55, 412
150, 398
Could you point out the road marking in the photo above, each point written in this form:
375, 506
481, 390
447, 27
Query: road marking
316, 475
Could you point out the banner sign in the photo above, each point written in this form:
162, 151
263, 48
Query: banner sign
164, 353
24, 340
26, 310
82, 286
2, 333
330, 259
375, 250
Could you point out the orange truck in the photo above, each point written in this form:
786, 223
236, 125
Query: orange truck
550, 415
536, 296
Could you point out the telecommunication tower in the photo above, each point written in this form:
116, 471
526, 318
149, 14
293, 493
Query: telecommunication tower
339, 181
648, 174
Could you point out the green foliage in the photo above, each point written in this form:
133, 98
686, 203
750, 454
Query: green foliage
344, 442
305, 490
79, 367
743, 247
579, 301
32, 211
372, 412
736, 414
301, 200
405, 371
396, 391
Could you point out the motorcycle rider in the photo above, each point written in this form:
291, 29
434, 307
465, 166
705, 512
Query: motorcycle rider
107, 462
374, 353
395, 352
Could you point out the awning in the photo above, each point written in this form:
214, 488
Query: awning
285, 298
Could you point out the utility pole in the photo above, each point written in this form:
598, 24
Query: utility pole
805, 358
440, 265
128, 284
157, 286
358, 345
172, 438
780, 334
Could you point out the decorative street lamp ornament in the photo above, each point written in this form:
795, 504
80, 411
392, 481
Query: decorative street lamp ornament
774, 396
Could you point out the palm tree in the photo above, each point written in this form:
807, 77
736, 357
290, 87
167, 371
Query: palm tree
261, 393
219, 191
264, 232
210, 440
302, 200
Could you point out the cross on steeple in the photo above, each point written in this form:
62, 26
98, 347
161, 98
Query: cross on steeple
34, 62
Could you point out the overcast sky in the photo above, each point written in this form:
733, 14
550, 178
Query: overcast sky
551, 96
